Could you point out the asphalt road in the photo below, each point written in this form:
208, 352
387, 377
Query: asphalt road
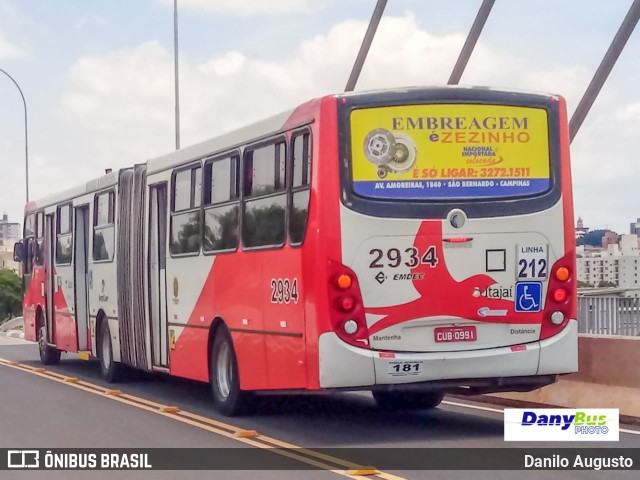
37, 412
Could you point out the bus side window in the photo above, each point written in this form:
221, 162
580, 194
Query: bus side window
264, 216
300, 187
186, 223
103, 226
222, 206
29, 243
64, 237
40, 239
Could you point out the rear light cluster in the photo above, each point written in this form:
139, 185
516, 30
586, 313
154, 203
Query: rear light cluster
561, 301
347, 311
559, 294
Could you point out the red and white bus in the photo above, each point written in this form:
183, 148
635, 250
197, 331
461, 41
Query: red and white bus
411, 242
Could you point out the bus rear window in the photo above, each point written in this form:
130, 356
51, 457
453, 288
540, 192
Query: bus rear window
449, 152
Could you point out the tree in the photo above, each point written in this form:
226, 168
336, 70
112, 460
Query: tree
582, 284
593, 238
605, 284
10, 294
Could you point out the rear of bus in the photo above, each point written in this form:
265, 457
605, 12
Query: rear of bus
457, 243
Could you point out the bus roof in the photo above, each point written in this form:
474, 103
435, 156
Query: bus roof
227, 141
171, 160
418, 89
105, 181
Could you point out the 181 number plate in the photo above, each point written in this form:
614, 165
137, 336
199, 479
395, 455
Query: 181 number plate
404, 368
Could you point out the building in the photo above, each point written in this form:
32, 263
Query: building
8, 230
6, 256
617, 265
581, 230
9, 235
634, 228
609, 238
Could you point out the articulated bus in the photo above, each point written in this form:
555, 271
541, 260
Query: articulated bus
411, 242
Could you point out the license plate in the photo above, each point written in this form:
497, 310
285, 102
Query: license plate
455, 334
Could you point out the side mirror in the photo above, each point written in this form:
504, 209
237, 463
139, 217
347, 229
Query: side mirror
18, 252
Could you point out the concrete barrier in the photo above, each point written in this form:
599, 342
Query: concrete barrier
11, 324
609, 377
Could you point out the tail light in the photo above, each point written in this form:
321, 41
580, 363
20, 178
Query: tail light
561, 296
563, 274
347, 312
344, 281
347, 303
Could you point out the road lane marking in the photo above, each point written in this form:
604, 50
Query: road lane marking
475, 407
310, 457
498, 410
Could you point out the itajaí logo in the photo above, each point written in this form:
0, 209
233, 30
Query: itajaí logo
561, 424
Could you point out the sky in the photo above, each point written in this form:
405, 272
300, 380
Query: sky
98, 76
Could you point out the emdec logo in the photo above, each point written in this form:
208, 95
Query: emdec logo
556, 424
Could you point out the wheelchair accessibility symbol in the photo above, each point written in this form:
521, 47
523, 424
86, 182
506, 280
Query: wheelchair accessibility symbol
528, 297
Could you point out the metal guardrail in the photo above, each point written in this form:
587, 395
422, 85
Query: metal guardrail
609, 315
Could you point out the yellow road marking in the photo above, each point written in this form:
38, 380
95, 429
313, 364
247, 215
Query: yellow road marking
249, 437
169, 409
364, 471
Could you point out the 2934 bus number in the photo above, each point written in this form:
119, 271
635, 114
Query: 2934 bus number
411, 257
284, 290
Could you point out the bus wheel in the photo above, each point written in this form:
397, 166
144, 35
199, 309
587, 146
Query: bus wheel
225, 381
111, 371
48, 355
399, 400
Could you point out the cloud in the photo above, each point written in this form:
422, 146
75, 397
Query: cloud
605, 168
245, 7
8, 50
132, 89
119, 105
88, 22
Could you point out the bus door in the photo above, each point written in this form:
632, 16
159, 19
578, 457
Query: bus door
157, 273
51, 285
81, 259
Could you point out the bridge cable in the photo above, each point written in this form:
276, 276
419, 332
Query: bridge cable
470, 42
608, 61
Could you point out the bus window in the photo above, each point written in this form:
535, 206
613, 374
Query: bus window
29, 226
221, 199
103, 226
185, 211
263, 222
29, 243
64, 237
40, 239
301, 163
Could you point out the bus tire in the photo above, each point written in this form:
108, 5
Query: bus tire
48, 355
228, 399
393, 401
111, 370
